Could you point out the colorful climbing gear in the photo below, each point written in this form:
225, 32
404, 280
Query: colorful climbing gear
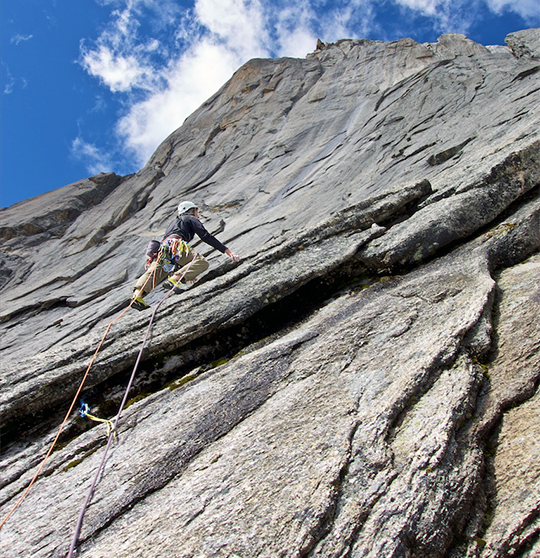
172, 249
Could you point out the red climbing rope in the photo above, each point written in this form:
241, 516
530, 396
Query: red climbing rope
71, 407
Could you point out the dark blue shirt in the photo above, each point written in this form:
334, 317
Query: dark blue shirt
187, 226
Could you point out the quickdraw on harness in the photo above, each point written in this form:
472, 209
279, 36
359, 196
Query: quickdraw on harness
170, 252
83, 411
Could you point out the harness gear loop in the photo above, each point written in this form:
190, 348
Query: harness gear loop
172, 249
83, 411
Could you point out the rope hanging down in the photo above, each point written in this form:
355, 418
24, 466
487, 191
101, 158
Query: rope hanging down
71, 407
117, 419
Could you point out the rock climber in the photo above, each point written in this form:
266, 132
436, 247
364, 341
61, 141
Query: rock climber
172, 258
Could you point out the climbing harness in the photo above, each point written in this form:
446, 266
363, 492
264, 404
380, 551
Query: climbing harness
172, 249
83, 411
76, 397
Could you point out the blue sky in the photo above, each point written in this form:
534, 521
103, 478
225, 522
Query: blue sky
93, 86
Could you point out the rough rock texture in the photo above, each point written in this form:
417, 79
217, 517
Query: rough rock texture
363, 383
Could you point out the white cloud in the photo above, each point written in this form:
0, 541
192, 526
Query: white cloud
427, 7
527, 9
297, 42
95, 159
293, 29
120, 59
302, 22
238, 24
116, 71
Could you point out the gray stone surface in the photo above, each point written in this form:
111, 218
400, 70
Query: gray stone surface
363, 383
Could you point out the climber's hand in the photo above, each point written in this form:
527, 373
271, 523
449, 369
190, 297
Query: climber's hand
234, 257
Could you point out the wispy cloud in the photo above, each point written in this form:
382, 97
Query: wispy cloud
95, 159
239, 26
17, 39
120, 58
461, 15
166, 59
10, 82
456, 16
529, 10
427, 7
118, 72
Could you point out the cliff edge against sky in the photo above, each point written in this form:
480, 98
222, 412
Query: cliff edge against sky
363, 383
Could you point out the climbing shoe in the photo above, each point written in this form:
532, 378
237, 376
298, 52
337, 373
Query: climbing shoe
169, 283
138, 303
173, 284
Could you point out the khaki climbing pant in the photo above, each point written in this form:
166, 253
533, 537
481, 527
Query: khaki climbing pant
191, 265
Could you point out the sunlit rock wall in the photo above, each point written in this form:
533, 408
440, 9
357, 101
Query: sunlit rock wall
363, 383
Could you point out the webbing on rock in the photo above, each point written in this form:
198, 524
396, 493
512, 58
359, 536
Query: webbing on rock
83, 411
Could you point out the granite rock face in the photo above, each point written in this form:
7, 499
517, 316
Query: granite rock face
363, 383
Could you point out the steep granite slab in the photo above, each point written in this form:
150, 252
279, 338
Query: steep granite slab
307, 404
269, 160
365, 424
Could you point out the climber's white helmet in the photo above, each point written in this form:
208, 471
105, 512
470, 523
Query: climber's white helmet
185, 206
